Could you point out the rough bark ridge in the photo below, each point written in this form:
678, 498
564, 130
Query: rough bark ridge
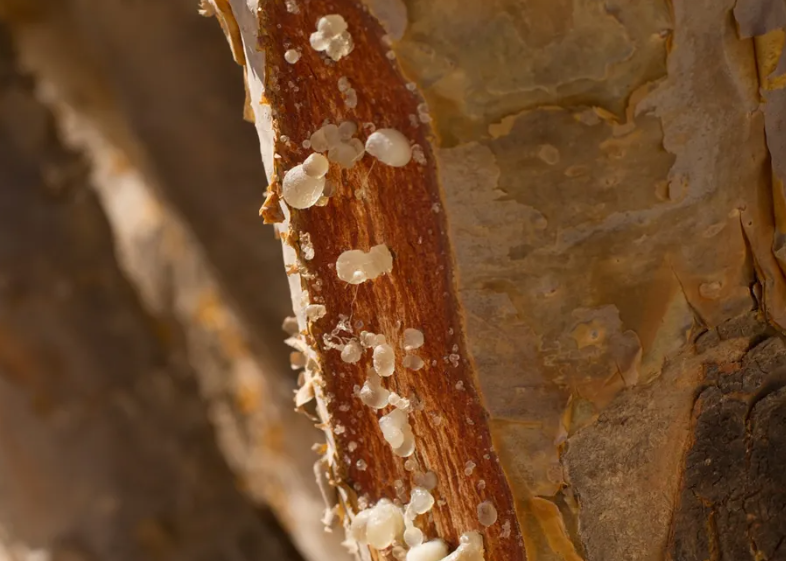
609, 180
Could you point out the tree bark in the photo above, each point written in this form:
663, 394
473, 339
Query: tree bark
590, 237
595, 233
146, 92
106, 451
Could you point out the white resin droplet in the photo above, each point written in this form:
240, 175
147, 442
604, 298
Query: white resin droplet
426, 480
434, 550
356, 266
351, 352
399, 402
398, 433
315, 311
347, 130
421, 500
396, 418
318, 141
391, 432
412, 362
418, 155
384, 360
378, 526
370, 340
316, 165
332, 37
338, 141
345, 154
407, 448
390, 147
413, 339
291, 56
360, 149
306, 247
372, 393
332, 135
470, 548
331, 25
300, 190
290, 325
413, 536
351, 98
487, 513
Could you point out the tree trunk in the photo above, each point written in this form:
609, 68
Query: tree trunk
589, 236
590, 242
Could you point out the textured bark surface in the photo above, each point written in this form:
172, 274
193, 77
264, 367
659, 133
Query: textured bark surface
734, 488
609, 173
105, 448
401, 208
636, 493
593, 246
147, 91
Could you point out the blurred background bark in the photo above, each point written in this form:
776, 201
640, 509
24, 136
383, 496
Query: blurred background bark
612, 177
144, 387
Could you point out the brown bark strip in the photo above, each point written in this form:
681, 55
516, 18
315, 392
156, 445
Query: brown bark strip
401, 208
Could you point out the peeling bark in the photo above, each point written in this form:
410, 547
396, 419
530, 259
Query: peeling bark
605, 205
105, 448
590, 238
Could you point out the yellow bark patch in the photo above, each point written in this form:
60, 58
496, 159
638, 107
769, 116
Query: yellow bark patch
769, 48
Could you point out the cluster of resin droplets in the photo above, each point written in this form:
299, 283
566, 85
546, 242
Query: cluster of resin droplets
385, 524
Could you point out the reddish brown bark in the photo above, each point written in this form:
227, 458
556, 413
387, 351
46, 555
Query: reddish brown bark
401, 209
